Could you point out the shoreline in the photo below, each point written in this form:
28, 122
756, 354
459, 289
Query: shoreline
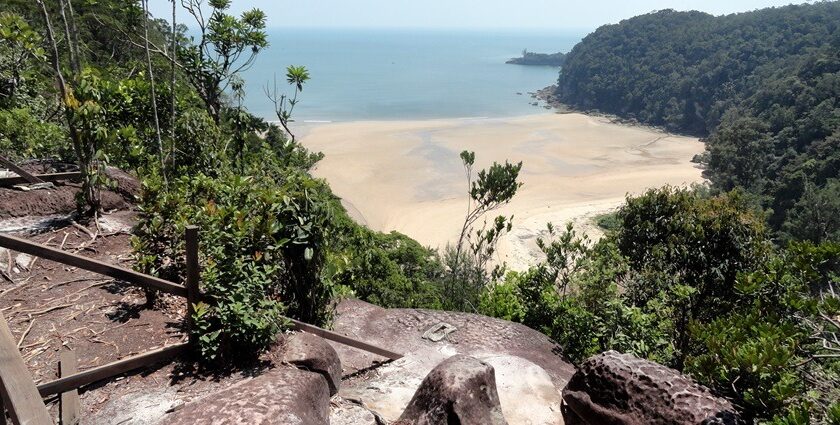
405, 175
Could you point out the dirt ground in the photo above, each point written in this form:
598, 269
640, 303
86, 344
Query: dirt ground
50, 306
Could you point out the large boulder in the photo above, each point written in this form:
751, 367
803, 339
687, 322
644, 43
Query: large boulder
312, 353
621, 389
281, 396
530, 372
460, 390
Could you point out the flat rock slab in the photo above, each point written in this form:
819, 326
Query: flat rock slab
529, 370
402, 330
137, 408
282, 396
343, 412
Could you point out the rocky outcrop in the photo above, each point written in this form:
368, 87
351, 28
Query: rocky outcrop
312, 353
125, 184
297, 390
460, 390
529, 368
620, 389
280, 396
403, 329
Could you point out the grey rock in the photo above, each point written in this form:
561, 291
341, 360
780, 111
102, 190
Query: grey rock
312, 353
281, 396
460, 390
621, 389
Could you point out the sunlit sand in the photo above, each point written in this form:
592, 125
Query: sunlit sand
407, 175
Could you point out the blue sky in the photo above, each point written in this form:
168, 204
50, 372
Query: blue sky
519, 14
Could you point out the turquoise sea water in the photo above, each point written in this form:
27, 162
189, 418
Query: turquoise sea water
405, 74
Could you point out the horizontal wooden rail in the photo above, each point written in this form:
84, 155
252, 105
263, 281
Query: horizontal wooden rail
52, 177
18, 390
89, 376
19, 171
96, 266
332, 336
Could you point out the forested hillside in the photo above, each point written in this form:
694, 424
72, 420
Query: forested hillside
763, 86
690, 279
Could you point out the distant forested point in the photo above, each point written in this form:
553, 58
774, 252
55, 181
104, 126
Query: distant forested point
546, 59
762, 88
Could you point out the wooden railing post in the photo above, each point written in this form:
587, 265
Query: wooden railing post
70, 407
22, 399
193, 295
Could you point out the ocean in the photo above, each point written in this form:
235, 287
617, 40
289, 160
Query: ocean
389, 74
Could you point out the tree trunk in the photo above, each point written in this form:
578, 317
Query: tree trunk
152, 88
88, 188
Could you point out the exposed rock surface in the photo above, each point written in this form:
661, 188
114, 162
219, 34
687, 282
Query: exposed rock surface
125, 184
402, 330
312, 353
281, 396
346, 412
460, 390
615, 388
529, 369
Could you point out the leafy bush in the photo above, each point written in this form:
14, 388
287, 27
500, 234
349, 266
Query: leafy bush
608, 221
388, 269
503, 300
263, 247
692, 281
816, 215
765, 354
684, 252
24, 136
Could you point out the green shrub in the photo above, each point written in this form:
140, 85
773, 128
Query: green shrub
263, 243
691, 281
684, 252
25, 136
816, 215
388, 269
608, 221
502, 300
764, 355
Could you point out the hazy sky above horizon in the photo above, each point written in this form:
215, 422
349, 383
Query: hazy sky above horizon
519, 14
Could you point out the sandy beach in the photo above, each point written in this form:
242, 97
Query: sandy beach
407, 176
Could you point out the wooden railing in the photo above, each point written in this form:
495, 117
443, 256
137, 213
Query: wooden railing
13, 367
25, 177
22, 398
17, 389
